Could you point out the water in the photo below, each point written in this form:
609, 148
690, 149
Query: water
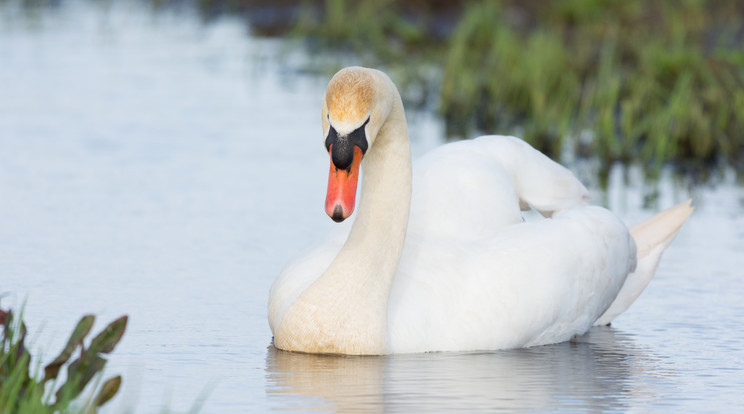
157, 167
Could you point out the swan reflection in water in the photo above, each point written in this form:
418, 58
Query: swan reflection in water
602, 370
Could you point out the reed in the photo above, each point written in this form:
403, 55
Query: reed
655, 82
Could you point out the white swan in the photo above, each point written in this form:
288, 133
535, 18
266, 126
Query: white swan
466, 273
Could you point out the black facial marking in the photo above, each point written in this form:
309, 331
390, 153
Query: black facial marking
342, 153
342, 146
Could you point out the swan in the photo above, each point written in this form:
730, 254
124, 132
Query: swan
441, 259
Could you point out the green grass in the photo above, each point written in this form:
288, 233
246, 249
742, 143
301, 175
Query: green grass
656, 82
27, 388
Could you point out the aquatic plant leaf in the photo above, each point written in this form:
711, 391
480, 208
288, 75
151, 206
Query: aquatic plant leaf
106, 341
108, 390
22, 391
5, 321
76, 339
14, 358
14, 336
79, 374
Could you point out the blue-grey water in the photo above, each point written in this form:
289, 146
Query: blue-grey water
155, 166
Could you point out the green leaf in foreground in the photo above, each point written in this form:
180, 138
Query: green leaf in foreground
108, 390
106, 341
76, 339
23, 391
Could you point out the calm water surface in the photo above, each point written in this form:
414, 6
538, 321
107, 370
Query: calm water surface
156, 167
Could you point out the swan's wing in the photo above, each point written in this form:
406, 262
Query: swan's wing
469, 190
538, 181
532, 283
460, 193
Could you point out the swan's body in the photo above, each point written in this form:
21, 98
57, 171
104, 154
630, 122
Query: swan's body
466, 273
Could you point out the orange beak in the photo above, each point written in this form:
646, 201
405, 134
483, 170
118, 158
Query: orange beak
342, 186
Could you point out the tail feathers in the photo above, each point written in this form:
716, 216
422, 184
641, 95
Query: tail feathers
652, 237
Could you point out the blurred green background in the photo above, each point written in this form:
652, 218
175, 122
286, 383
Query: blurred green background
655, 82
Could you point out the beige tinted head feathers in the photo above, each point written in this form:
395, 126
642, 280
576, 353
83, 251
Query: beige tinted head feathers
356, 95
349, 97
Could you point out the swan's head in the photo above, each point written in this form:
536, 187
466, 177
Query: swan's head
355, 107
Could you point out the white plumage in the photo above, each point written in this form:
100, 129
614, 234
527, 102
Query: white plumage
465, 272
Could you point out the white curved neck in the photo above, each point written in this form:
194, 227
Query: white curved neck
378, 233
345, 309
